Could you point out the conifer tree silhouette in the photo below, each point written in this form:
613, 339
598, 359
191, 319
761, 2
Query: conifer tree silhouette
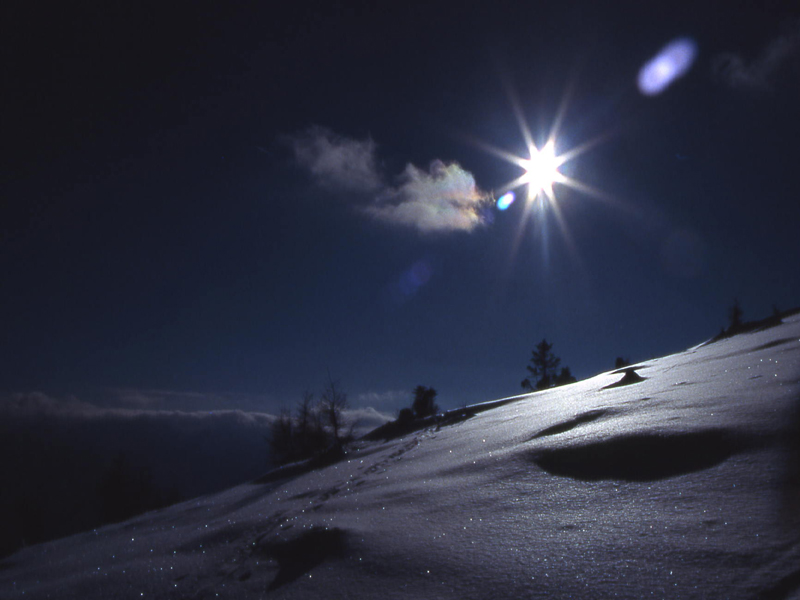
542, 368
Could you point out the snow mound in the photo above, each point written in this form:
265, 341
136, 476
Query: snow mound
642, 457
297, 556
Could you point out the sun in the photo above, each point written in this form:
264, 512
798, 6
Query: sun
545, 176
541, 170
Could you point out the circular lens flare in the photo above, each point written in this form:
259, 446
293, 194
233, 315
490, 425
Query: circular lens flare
505, 200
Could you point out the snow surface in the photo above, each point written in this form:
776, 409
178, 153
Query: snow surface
683, 485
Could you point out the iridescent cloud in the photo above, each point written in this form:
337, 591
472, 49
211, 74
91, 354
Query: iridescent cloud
444, 198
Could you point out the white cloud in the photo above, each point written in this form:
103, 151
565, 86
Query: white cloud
336, 161
736, 72
444, 198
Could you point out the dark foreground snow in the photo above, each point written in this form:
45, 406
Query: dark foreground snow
682, 485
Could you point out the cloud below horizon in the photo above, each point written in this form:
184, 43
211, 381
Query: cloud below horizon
386, 400
37, 405
57, 452
444, 198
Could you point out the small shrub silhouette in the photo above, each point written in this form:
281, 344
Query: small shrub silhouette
424, 404
564, 377
405, 416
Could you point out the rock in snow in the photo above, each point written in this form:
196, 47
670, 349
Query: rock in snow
681, 485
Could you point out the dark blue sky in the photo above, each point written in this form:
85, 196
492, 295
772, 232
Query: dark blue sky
161, 230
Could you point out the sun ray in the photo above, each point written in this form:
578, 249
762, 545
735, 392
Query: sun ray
584, 147
561, 113
523, 124
565, 231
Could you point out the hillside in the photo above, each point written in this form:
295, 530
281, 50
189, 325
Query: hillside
681, 485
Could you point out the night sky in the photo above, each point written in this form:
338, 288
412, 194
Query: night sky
213, 207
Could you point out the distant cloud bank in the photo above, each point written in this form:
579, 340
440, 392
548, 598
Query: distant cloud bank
57, 451
443, 198
391, 399
196, 452
733, 70
156, 399
234, 433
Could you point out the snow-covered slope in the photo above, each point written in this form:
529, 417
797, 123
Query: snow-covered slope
683, 485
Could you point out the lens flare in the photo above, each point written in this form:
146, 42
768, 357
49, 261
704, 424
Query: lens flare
672, 62
506, 200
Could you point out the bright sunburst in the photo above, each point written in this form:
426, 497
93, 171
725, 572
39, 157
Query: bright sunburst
541, 174
541, 170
